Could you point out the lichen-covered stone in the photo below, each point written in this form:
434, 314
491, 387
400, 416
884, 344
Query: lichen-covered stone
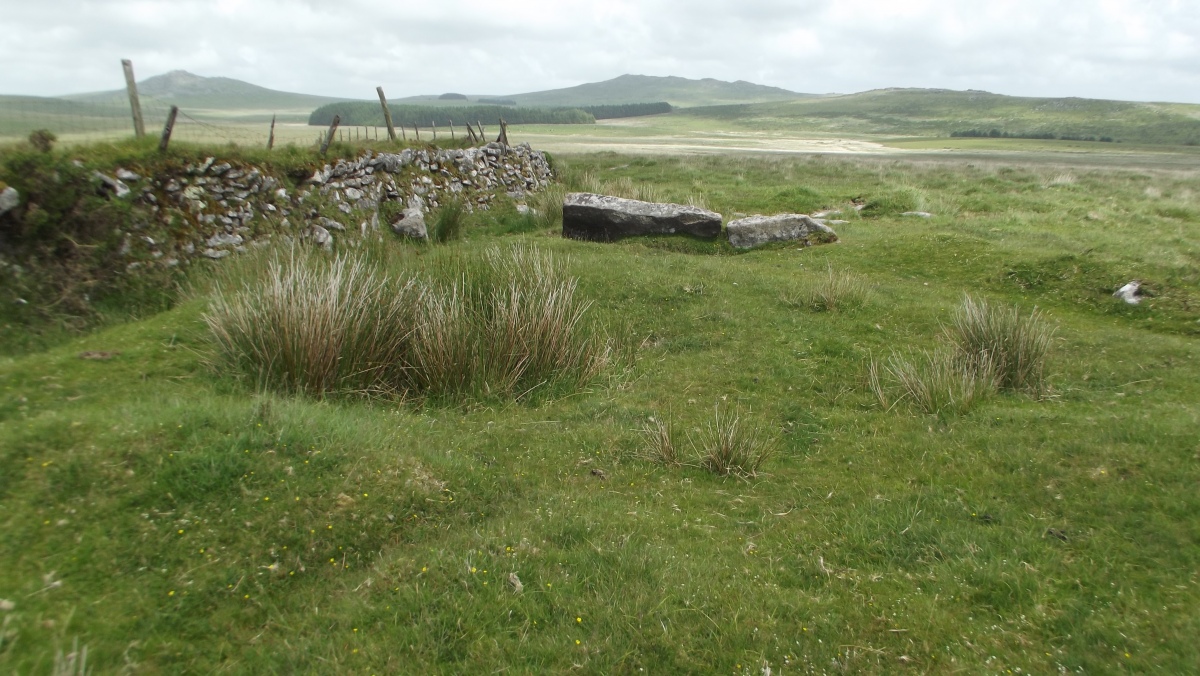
752, 231
603, 218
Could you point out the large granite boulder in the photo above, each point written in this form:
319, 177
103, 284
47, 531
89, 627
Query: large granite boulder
600, 218
747, 233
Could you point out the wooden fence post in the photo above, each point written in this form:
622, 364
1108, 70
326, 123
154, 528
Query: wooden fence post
337, 119
451, 129
167, 129
416, 132
482, 135
271, 137
387, 114
503, 137
139, 127
434, 123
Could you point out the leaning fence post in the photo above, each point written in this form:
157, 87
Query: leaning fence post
482, 135
139, 127
416, 132
451, 129
387, 114
434, 123
167, 129
337, 119
271, 137
503, 137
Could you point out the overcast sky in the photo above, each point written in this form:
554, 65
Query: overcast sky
1118, 49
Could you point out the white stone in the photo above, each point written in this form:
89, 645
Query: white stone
1130, 293
9, 199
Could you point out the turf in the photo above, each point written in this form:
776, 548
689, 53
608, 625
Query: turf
172, 520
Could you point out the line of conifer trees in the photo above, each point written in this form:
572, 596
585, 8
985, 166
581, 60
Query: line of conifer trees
369, 114
1047, 136
607, 112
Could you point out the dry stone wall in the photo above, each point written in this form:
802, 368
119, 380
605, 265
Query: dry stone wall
215, 208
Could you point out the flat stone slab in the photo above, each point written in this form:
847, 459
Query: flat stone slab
601, 218
752, 231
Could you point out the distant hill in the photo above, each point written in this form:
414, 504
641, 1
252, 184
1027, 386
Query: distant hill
188, 90
678, 91
941, 112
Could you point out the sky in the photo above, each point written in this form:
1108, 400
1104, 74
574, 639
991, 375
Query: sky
1142, 50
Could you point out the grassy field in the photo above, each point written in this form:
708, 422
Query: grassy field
931, 112
171, 519
221, 111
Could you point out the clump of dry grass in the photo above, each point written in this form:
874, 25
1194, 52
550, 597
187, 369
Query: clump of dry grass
621, 187
316, 326
548, 206
658, 436
829, 292
1065, 178
934, 383
512, 325
728, 446
1012, 346
991, 348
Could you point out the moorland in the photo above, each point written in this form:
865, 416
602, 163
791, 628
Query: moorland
170, 508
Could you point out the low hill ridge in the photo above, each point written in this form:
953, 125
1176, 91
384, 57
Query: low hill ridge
946, 112
678, 91
220, 93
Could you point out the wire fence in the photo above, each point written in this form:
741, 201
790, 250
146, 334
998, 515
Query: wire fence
86, 119
93, 118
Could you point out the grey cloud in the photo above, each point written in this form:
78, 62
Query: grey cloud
1117, 49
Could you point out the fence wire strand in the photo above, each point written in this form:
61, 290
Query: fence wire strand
93, 118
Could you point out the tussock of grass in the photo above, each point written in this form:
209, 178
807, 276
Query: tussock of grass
548, 207
1064, 178
447, 226
728, 446
658, 436
1012, 346
933, 382
512, 325
991, 348
834, 290
316, 326
895, 202
624, 187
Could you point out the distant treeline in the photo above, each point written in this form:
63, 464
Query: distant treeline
369, 114
627, 110
495, 102
1046, 136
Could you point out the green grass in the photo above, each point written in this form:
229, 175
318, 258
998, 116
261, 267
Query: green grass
196, 525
